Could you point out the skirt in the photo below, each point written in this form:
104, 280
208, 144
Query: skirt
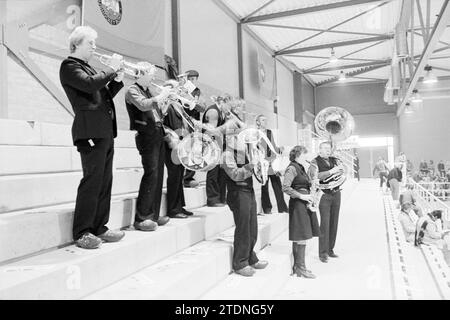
303, 223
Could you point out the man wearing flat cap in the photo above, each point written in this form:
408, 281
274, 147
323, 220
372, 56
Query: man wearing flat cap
192, 76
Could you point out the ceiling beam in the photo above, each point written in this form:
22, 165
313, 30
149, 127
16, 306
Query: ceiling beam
372, 8
351, 74
349, 66
438, 28
328, 58
307, 10
257, 10
336, 44
314, 29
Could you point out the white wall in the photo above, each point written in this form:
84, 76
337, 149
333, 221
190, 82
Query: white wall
208, 44
426, 134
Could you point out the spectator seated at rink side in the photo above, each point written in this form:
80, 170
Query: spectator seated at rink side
408, 220
408, 196
429, 231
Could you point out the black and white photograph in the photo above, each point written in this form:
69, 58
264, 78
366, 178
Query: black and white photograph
224, 157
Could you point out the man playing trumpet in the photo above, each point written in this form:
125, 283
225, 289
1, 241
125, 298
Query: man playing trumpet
146, 117
94, 128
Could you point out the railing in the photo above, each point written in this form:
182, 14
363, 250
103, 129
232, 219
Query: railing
439, 189
429, 201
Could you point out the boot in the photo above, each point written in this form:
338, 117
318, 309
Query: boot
299, 268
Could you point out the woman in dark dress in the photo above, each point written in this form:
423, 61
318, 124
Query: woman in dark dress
303, 223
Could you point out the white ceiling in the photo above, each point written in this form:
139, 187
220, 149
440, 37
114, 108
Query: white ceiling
360, 20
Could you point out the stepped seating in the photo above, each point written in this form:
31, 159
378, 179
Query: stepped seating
193, 271
439, 268
405, 286
36, 213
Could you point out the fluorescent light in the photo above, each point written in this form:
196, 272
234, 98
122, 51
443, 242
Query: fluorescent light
342, 76
333, 58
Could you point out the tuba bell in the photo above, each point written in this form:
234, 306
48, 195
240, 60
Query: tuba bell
334, 124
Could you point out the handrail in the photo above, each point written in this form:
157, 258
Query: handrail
430, 200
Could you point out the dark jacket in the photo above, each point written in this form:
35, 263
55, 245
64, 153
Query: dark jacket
91, 95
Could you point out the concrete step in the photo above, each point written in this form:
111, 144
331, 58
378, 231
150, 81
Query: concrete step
265, 283
20, 192
32, 231
34, 133
40, 159
192, 272
36, 190
72, 273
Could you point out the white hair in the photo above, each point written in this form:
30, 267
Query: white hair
147, 66
78, 35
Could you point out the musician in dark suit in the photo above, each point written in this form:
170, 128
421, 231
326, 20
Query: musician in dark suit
261, 121
94, 129
323, 167
192, 76
215, 178
146, 117
175, 172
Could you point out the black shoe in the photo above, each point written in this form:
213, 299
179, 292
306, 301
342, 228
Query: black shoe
333, 255
324, 259
162, 220
269, 211
178, 216
188, 213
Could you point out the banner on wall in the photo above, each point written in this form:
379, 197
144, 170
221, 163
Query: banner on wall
266, 74
133, 28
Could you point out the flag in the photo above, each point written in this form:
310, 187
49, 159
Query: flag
133, 28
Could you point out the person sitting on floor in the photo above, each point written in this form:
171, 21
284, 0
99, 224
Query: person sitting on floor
408, 224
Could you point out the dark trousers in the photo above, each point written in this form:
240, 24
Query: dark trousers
94, 192
383, 176
243, 205
152, 151
215, 185
175, 192
188, 177
265, 198
357, 175
329, 217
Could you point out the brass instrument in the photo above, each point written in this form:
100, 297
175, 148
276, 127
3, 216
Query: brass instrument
196, 151
130, 69
334, 124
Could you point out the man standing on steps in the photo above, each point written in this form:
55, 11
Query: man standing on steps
93, 131
241, 200
261, 122
146, 118
192, 76
215, 178
323, 167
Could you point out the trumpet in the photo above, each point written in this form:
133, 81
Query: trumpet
175, 94
130, 69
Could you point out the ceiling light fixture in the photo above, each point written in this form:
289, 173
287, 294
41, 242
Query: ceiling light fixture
333, 58
408, 109
430, 77
416, 97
